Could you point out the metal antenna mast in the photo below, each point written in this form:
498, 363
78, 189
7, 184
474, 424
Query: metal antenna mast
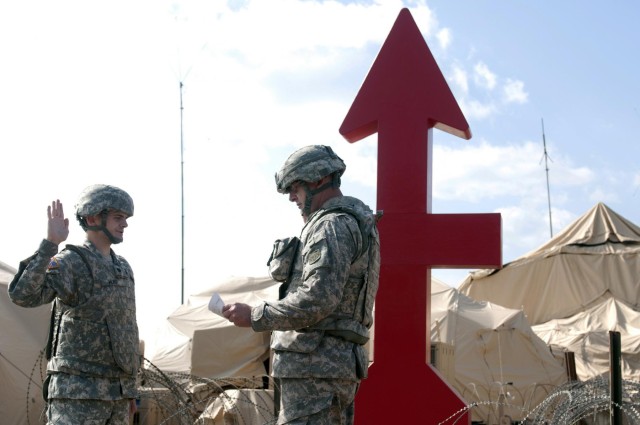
546, 167
182, 194
182, 79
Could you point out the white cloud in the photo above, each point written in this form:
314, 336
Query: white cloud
483, 76
444, 38
484, 170
514, 92
460, 79
474, 109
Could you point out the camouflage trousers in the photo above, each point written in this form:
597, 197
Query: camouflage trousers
63, 411
314, 401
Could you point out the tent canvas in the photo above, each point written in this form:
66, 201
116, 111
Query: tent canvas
493, 344
594, 260
586, 334
596, 255
195, 341
496, 353
22, 369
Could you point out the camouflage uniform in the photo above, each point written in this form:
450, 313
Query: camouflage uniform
321, 324
93, 346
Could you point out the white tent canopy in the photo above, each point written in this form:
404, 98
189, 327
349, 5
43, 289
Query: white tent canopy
493, 344
495, 352
196, 341
586, 334
22, 340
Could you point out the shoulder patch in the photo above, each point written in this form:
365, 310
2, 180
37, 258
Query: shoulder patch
314, 256
53, 264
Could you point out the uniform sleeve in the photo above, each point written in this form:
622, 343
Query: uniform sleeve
327, 257
41, 278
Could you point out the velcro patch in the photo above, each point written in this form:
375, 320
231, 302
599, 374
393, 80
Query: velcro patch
314, 256
53, 264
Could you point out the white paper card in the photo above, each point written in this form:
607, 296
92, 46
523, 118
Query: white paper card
216, 304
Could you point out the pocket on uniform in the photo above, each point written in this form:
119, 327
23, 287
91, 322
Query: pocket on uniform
124, 341
76, 334
282, 258
299, 342
306, 406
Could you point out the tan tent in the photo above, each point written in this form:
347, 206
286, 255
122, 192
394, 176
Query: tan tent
196, 341
497, 357
22, 340
586, 334
495, 353
593, 261
597, 256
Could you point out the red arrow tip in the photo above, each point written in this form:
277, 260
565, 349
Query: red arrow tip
404, 80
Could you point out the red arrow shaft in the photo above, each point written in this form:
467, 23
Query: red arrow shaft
404, 158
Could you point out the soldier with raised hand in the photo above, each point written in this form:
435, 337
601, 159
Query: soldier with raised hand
330, 277
92, 350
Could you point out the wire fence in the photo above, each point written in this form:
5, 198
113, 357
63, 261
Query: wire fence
579, 403
170, 398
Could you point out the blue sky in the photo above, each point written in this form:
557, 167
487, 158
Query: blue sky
91, 94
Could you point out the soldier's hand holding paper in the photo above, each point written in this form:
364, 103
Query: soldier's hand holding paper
238, 313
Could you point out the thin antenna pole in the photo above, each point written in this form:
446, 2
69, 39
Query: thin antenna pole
182, 193
546, 167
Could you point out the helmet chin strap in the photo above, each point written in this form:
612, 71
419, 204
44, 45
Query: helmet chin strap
309, 193
103, 228
112, 238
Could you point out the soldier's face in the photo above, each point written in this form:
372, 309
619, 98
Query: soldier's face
297, 194
116, 223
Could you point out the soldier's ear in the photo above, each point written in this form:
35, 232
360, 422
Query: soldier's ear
321, 182
93, 220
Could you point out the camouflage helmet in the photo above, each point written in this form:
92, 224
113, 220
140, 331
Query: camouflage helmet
309, 164
99, 197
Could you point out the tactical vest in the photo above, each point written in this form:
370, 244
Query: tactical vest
355, 328
98, 337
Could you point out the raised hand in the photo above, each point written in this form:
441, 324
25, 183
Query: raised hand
58, 226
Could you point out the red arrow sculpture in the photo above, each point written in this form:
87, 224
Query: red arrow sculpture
403, 97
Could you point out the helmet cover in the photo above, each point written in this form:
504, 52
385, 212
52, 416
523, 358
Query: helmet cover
309, 164
99, 197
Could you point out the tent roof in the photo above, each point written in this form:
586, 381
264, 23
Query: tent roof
597, 254
587, 335
493, 346
598, 226
600, 230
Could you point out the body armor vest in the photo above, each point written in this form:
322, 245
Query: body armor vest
351, 322
99, 336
